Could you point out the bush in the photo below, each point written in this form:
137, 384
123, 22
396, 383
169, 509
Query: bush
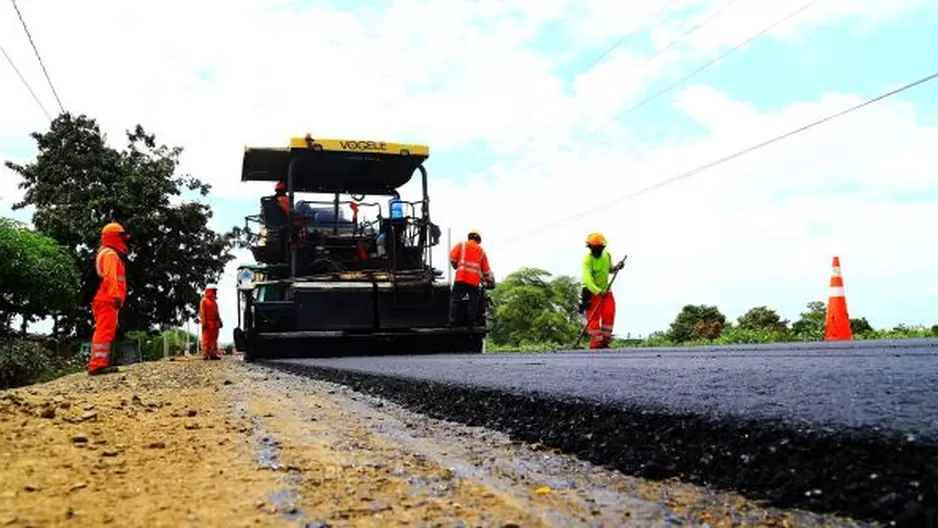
151, 344
24, 361
525, 346
745, 336
899, 332
533, 346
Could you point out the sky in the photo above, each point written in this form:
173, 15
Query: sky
539, 117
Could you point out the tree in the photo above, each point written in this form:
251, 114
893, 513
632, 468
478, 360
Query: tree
762, 318
697, 321
78, 183
811, 324
38, 279
532, 307
860, 326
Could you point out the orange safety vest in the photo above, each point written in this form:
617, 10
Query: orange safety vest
471, 263
110, 268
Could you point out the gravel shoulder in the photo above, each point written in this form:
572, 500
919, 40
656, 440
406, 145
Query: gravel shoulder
228, 444
154, 445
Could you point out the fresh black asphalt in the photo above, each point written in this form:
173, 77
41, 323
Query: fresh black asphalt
849, 427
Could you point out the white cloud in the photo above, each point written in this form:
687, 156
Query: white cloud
214, 77
722, 237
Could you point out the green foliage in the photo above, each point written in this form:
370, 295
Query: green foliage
743, 336
762, 318
78, 183
811, 324
38, 279
532, 307
152, 344
697, 325
697, 321
860, 326
24, 361
899, 332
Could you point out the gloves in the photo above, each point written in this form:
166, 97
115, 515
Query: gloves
117, 303
220, 324
618, 266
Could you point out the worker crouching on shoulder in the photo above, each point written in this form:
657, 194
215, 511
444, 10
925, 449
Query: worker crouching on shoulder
211, 322
601, 311
110, 297
472, 266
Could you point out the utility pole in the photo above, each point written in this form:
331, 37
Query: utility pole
449, 246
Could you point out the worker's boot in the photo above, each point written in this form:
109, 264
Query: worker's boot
100, 362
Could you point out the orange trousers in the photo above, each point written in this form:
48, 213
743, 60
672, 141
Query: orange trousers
105, 327
209, 341
600, 325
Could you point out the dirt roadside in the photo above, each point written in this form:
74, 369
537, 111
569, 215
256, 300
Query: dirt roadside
190, 443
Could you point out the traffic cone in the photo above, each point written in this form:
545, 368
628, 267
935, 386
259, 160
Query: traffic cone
837, 326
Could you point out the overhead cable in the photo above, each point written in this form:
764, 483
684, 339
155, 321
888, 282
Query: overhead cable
25, 83
543, 161
722, 160
38, 56
657, 54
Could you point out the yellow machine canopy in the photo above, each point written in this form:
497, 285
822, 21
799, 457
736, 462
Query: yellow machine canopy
347, 166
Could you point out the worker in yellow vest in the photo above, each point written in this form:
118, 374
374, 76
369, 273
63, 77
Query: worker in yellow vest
601, 311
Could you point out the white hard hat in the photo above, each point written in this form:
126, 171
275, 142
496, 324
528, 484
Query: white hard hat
211, 287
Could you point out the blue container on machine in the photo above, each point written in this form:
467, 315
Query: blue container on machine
397, 208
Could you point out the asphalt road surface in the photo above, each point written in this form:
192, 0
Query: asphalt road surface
888, 384
845, 427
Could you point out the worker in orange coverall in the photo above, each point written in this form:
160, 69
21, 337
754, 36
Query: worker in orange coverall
110, 297
601, 311
211, 322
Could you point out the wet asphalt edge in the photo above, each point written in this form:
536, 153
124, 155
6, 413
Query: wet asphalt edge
862, 473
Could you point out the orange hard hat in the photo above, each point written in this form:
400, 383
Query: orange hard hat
113, 227
281, 186
595, 239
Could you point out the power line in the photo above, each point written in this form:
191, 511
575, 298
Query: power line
675, 84
28, 87
730, 157
625, 38
38, 56
657, 54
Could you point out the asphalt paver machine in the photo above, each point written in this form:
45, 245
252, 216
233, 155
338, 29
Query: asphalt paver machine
328, 285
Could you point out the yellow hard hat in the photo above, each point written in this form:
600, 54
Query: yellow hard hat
595, 239
113, 227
